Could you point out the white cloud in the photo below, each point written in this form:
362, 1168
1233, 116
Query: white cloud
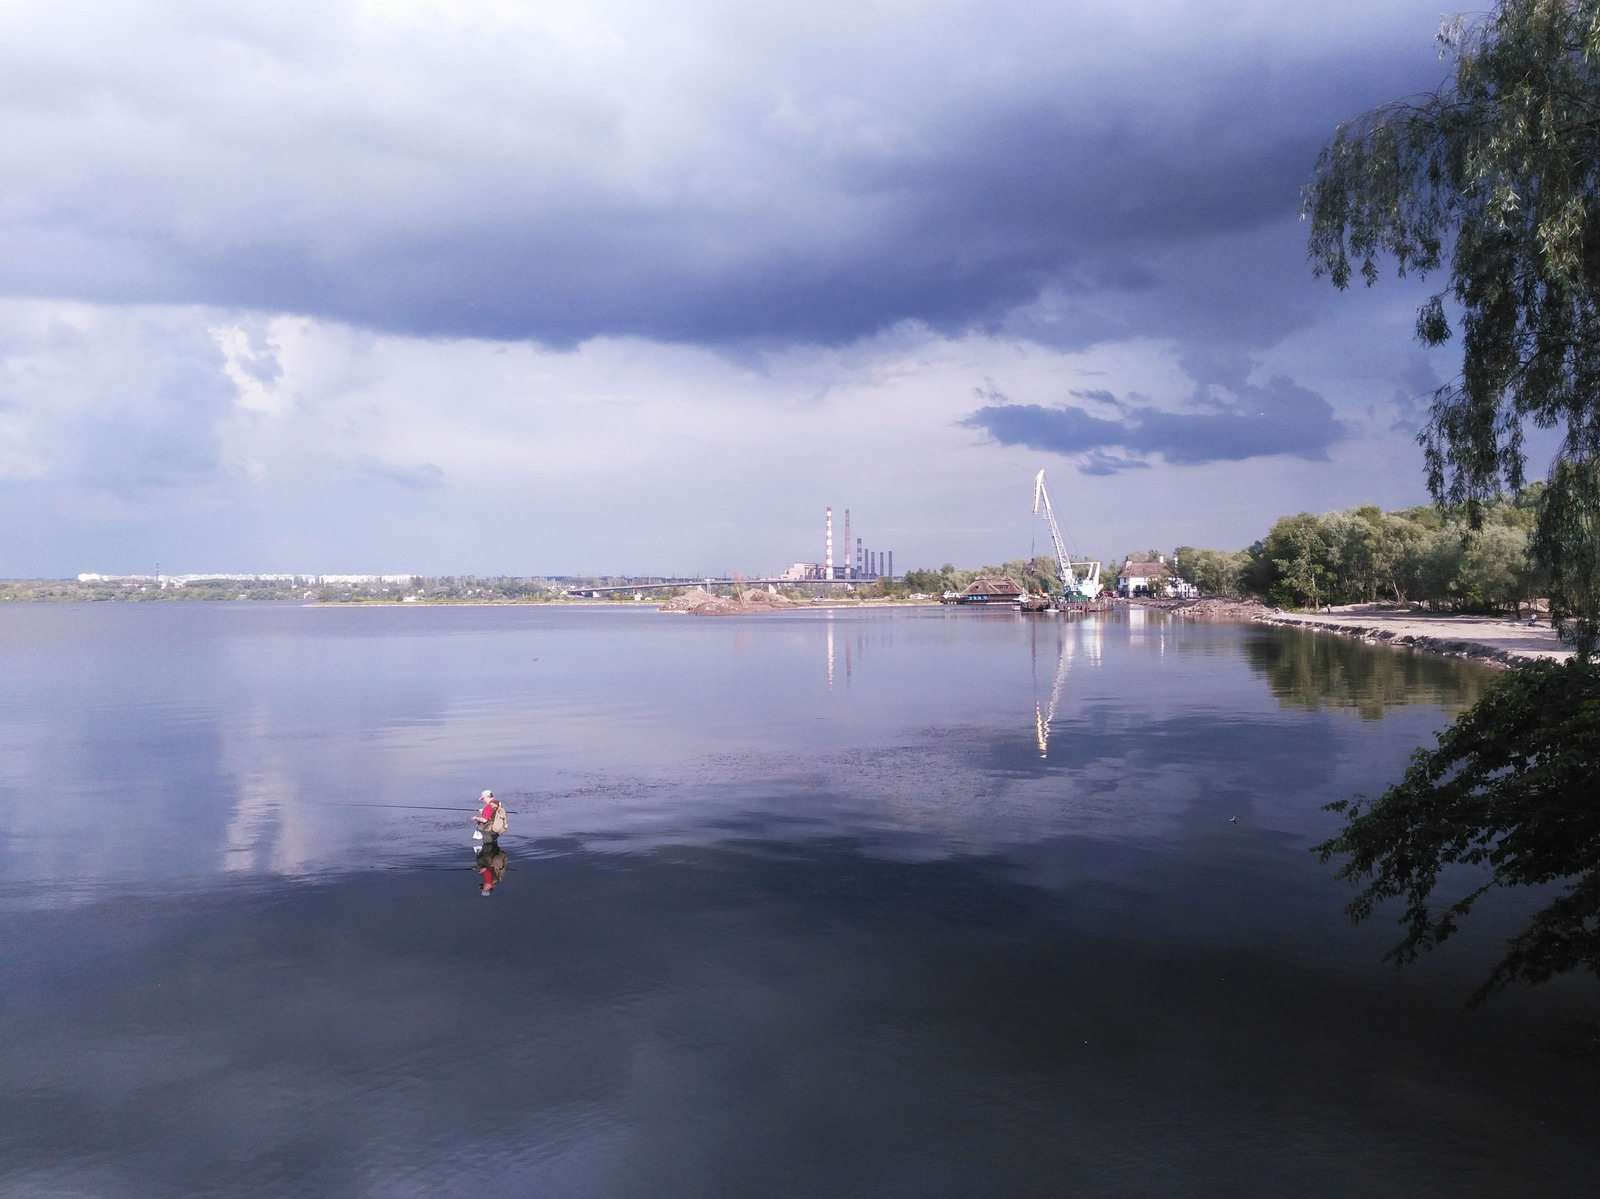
213, 440
120, 399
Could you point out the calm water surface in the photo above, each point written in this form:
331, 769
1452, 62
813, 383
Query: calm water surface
919, 903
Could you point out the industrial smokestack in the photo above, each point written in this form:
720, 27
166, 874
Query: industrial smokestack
847, 572
891, 564
827, 570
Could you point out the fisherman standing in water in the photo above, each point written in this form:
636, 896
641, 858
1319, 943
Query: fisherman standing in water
491, 821
490, 859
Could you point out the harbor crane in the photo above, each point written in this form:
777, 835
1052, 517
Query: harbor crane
1080, 584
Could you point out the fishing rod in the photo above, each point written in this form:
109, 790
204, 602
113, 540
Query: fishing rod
409, 807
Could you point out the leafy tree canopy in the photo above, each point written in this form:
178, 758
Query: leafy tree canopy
1497, 176
1425, 554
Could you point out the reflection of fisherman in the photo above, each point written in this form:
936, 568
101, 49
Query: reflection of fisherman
491, 821
491, 863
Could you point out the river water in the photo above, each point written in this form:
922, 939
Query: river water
830, 903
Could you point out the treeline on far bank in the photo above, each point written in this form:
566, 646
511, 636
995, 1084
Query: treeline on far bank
1037, 574
1426, 555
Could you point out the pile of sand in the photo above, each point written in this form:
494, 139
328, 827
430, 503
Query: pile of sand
699, 602
766, 599
694, 598
1223, 609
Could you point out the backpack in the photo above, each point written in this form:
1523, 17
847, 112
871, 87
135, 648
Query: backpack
498, 824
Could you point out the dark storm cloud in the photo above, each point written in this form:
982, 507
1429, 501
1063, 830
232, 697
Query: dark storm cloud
678, 172
1228, 422
1098, 462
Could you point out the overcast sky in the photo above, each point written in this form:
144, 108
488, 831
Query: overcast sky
539, 288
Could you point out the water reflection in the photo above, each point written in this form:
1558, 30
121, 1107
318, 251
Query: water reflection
1071, 639
490, 862
786, 938
757, 1022
619, 729
1316, 670
1044, 714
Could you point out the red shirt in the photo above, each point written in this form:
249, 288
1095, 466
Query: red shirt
488, 811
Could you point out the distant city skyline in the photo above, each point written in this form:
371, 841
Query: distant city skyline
629, 288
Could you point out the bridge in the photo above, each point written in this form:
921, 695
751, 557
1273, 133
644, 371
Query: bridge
668, 584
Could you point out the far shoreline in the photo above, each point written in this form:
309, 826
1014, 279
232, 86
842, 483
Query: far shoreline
1495, 641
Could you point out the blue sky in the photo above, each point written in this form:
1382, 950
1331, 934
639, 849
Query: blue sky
631, 287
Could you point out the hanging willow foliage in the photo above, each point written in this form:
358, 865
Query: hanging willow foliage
1497, 176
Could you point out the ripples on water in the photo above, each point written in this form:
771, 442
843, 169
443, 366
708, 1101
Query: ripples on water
825, 903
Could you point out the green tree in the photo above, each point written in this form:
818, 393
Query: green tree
1494, 177
1214, 572
1403, 539
1361, 543
1037, 574
1292, 564
1494, 568
1436, 562
1566, 544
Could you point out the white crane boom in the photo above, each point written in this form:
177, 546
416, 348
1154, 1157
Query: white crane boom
1086, 587
1069, 580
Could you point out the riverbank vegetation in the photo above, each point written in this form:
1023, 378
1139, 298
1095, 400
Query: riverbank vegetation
1037, 574
1429, 555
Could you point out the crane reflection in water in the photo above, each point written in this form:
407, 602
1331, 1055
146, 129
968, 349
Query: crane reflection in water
1071, 636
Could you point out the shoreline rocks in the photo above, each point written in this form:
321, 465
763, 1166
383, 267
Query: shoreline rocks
1489, 641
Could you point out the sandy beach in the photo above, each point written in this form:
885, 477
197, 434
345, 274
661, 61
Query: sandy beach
1492, 639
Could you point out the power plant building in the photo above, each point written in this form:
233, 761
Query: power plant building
855, 562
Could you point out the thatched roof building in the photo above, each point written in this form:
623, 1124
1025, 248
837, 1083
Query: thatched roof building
988, 590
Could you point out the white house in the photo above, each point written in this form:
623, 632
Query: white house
1139, 578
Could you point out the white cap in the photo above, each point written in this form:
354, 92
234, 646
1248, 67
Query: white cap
487, 795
